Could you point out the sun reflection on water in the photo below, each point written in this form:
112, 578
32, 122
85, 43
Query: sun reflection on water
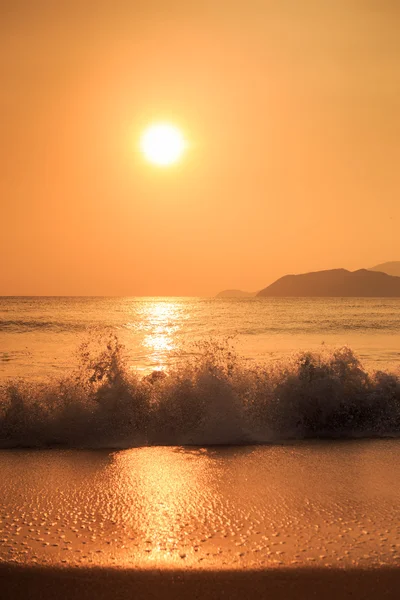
160, 323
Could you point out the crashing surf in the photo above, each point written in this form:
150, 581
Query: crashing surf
211, 397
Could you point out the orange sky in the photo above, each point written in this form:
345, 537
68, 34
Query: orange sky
292, 112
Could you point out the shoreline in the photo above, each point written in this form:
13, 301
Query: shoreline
290, 522
37, 582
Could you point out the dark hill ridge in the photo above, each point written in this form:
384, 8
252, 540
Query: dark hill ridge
336, 283
235, 294
391, 268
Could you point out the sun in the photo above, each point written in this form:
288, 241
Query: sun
162, 144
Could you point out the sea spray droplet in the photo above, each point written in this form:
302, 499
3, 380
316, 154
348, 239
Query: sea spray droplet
213, 398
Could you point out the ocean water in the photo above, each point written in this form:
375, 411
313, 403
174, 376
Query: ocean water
101, 372
38, 336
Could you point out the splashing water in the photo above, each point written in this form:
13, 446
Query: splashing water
213, 397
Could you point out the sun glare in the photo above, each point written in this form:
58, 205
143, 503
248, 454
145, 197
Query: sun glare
162, 144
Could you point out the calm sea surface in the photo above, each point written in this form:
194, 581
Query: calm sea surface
39, 336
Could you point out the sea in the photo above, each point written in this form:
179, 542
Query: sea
101, 371
39, 336
161, 438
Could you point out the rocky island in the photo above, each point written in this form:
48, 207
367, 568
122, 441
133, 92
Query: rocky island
391, 268
335, 283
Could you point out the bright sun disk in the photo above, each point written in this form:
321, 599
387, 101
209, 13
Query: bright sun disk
162, 144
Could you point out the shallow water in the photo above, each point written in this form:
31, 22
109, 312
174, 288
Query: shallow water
296, 505
38, 336
201, 390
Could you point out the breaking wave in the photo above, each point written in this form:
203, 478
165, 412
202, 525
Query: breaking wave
212, 397
27, 325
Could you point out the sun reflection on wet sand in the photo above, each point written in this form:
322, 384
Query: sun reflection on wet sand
171, 503
291, 506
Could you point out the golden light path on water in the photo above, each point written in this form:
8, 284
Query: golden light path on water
40, 336
160, 322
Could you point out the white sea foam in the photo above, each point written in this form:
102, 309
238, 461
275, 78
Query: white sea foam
214, 397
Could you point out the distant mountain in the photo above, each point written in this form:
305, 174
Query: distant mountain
391, 268
335, 283
235, 294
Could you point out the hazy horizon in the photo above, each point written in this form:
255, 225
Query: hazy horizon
231, 288
291, 117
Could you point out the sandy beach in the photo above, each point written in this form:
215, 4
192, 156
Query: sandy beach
291, 520
22, 583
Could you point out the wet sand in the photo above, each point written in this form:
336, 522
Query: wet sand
298, 520
38, 583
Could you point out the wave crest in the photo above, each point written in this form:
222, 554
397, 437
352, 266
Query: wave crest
214, 397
